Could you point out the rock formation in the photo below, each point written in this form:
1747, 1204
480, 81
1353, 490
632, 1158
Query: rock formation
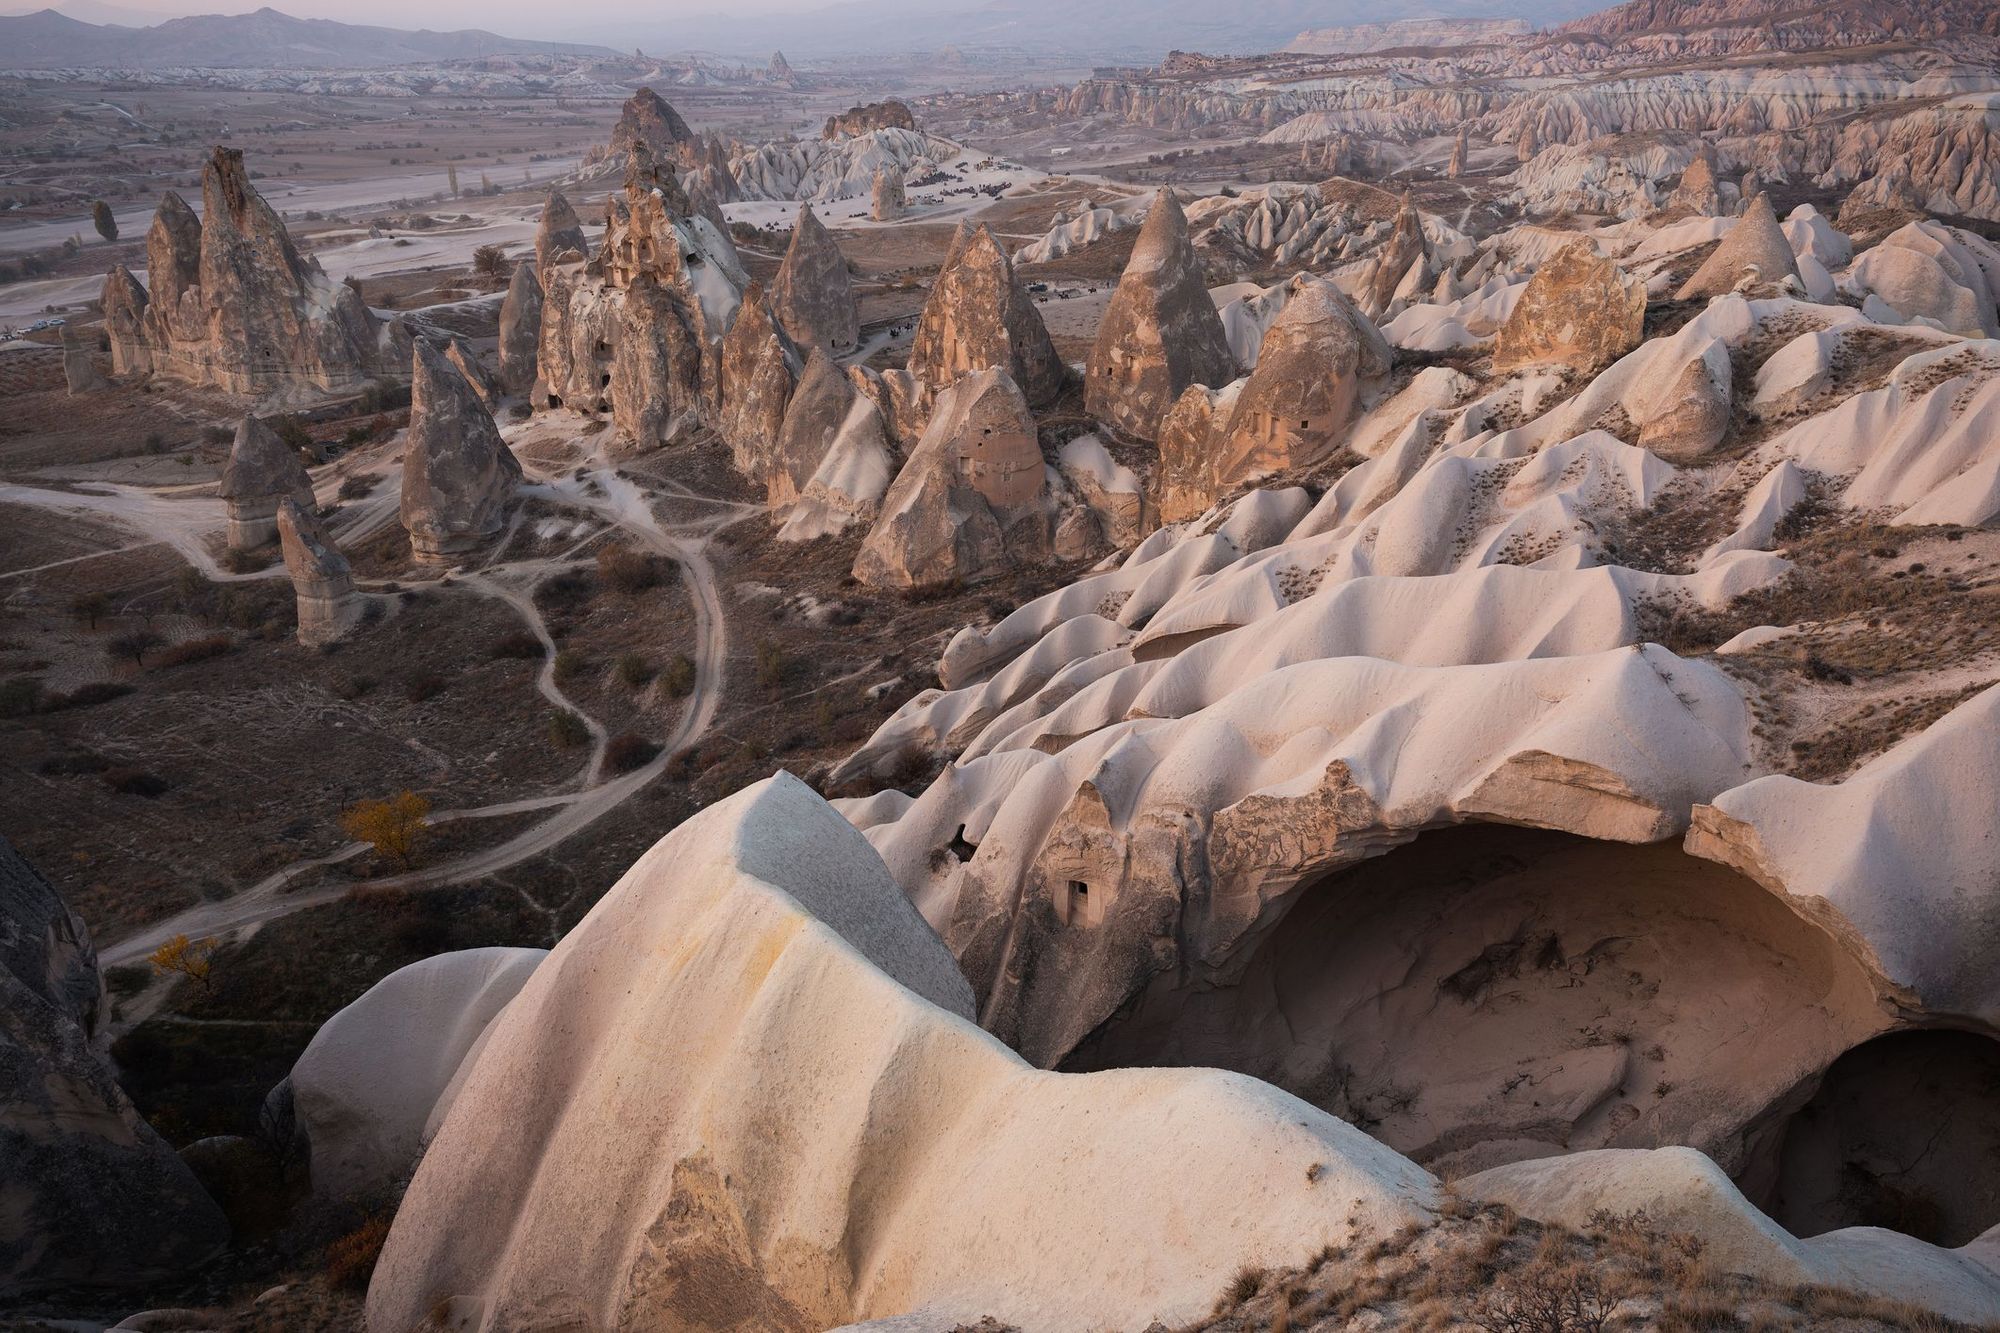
1459, 149
887, 115
847, 487
637, 329
1579, 311
1160, 332
639, 1182
1925, 270
328, 606
262, 470
375, 1072
521, 330
79, 370
1754, 253
458, 474
760, 370
973, 498
819, 408
1399, 269
233, 305
811, 296
648, 121
977, 317
94, 1197
559, 235
467, 363
1697, 191
886, 201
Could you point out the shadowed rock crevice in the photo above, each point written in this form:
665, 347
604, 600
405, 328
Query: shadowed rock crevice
1488, 994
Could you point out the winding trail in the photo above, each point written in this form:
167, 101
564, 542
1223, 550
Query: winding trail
187, 523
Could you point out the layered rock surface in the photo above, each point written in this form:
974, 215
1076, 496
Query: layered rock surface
811, 295
977, 317
458, 474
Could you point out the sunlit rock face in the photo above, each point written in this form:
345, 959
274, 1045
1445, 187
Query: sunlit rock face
233, 304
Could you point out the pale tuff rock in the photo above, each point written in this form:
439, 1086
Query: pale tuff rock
825, 170
1184, 481
1526, 144
649, 122
888, 115
559, 235
1399, 270
811, 296
819, 1008
521, 330
124, 303
368, 1083
819, 408
1579, 311
848, 486
1898, 857
1459, 148
655, 369
262, 470
467, 363
1115, 511
1754, 252
1925, 270
1690, 412
1697, 191
760, 370
94, 1197
1312, 367
80, 373
886, 201
1682, 1191
1160, 332
232, 303
973, 498
328, 606
978, 317
458, 474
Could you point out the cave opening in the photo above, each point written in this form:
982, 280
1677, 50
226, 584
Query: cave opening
1902, 1132
1486, 994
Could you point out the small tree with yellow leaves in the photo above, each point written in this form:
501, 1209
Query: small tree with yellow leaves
394, 828
181, 956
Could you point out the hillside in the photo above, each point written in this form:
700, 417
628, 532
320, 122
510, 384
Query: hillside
47, 39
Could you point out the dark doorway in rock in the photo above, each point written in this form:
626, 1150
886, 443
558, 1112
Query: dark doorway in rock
1903, 1132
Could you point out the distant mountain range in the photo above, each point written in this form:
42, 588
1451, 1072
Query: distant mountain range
264, 39
1103, 30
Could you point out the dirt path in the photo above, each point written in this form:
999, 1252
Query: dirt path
187, 523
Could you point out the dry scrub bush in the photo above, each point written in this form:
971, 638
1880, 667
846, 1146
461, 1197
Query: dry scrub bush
181, 956
394, 827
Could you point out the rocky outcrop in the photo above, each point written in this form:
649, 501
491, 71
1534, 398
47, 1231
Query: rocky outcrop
811, 296
757, 981
887, 115
973, 498
819, 408
886, 198
328, 606
648, 121
235, 306
1579, 311
978, 317
521, 330
847, 487
1754, 253
1398, 270
1697, 190
760, 370
94, 1197
1315, 362
559, 235
458, 474
1160, 332
467, 363
654, 376
124, 301
377, 1071
1691, 411
80, 373
1925, 270
1460, 147
262, 470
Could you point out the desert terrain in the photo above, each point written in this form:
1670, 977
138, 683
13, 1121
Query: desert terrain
1351, 687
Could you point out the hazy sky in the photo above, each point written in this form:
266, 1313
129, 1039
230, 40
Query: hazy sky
511, 17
